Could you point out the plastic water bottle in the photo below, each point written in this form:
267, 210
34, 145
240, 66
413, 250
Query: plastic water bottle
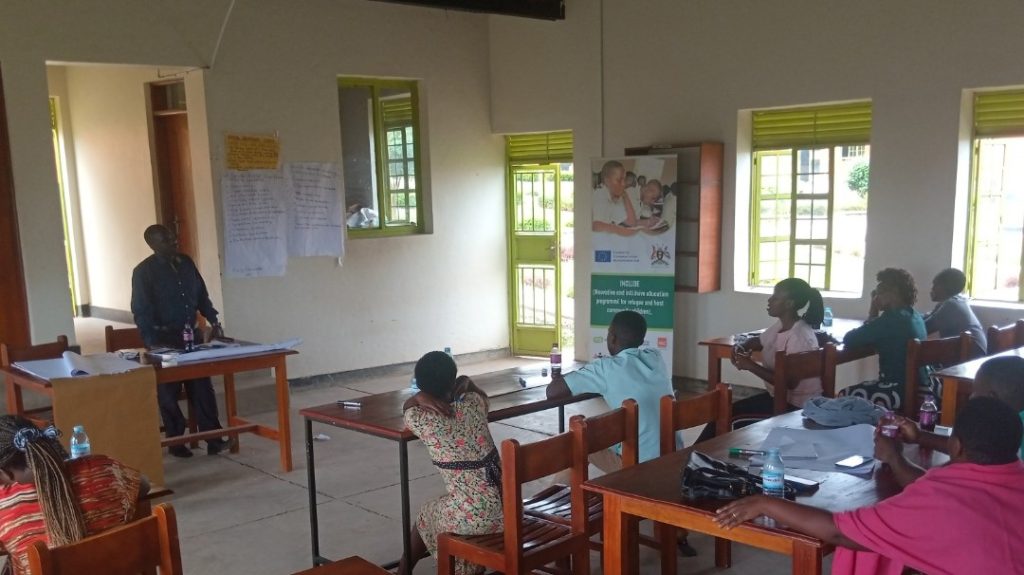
773, 474
188, 337
556, 359
79, 443
928, 415
448, 351
412, 384
827, 317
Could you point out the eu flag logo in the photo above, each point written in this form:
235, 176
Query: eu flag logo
603, 256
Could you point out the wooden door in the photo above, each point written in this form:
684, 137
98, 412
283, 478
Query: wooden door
173, 163
14, 328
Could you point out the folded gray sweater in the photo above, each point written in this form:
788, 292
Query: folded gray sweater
842, 411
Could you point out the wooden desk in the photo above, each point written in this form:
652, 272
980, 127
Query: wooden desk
651, 490
381, 416
227, 367
720, 348
957, 381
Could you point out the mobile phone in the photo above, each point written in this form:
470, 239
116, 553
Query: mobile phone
853, 461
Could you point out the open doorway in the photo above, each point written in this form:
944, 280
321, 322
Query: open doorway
540, 227
125, 160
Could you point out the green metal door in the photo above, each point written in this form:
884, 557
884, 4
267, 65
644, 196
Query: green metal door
534, 192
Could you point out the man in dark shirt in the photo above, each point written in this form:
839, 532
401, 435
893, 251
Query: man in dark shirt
167, 291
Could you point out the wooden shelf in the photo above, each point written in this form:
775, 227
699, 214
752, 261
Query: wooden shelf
699, 189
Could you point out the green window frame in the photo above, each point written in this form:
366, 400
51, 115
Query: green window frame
995, 240
797, 156
396, 138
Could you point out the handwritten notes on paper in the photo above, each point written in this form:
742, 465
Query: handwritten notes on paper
271, 214
255, 223
315, 215
251, 152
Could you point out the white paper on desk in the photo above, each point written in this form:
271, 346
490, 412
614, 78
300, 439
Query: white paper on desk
73, 365
828, 446
220, 352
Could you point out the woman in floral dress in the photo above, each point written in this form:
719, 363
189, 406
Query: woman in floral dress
449, 415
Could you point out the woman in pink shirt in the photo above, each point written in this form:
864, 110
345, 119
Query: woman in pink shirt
960, 518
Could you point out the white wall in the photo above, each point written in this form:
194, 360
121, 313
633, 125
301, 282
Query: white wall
681, 70
109, 120
276, 71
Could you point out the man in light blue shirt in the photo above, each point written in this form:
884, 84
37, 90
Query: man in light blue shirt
631, 372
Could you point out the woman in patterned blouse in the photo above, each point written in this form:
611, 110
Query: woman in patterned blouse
44, 497
449, 415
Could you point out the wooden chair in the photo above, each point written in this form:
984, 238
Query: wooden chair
9, 355
835, 355
793, 367
527, 543
131, 338
591, 435
1006, 337
945, 351
354, 565
139, 547
713, 407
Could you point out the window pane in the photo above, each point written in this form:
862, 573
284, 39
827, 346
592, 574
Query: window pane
999, 215
357, 142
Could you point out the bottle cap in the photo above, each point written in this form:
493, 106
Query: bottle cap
79, 428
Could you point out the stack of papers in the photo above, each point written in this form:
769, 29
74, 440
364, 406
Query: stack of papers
218, 352
820, 449
73, 365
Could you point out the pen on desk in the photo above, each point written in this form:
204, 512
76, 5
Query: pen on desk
352, 404
739, 452
522, 382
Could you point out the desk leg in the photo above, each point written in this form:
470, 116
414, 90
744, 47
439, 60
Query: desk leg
284, 425
314, 523
950, 388
403, 472
714, 367
806, 560
15, 405
561, 419
616, 538
231, 406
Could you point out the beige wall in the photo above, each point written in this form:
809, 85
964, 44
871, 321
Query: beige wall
276, 71
682, 70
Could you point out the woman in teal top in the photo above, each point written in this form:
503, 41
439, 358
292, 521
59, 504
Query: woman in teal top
891, 323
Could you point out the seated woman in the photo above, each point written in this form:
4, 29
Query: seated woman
450, 416
45, 498
892, 323
792, 333
958, 518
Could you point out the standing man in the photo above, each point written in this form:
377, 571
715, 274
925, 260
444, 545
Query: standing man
167, 290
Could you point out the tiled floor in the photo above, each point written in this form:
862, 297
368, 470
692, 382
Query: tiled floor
239, 514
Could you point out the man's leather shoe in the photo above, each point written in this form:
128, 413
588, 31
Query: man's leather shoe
215, 446
180, 451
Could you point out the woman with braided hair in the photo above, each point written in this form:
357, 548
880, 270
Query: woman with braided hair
44, 497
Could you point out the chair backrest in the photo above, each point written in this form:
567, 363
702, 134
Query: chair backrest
828, 371
713, 407
138, 547
944, 351
126, 338
1006, 337
9, 355
790, 369
524, 463
592, 434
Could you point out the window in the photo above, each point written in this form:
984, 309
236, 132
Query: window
994, 235
380, 153
809, 195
